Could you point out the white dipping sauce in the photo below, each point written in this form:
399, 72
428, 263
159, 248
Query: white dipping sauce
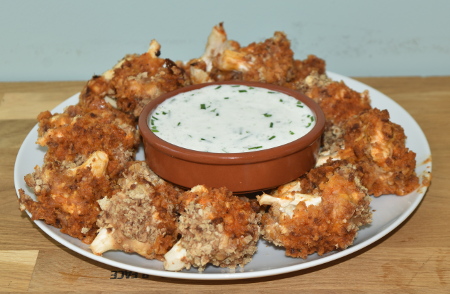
231, 119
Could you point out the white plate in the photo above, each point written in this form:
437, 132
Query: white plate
389, 210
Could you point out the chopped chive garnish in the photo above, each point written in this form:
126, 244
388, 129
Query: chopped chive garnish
250, 88
226, 98
202, 106
273, 137
281, 100
256, 147
217, 114
271, 125
309, 124
179, 123
236, 86
218, 87
155, 118
214, 110
271, 92
299, 104
291, 132
267, 115
154, 129
152, 122
242, 91
164, 113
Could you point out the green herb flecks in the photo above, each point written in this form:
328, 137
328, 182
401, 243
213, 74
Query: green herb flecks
300, 104
242, 91
291, 132
271, 125
202, 106
218, 87
273, 137
254, 148
267, 114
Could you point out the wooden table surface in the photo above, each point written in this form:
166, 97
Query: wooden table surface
414, 258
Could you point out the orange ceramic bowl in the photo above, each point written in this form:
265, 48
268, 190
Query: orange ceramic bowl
240, 172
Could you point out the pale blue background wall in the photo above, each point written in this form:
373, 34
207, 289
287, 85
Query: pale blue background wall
72, 40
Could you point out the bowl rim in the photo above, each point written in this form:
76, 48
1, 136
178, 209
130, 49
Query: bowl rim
232, 158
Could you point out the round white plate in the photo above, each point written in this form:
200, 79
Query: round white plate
389, 210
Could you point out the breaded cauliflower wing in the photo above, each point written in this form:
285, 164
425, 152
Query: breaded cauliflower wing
216, 228
318, 213
338, 101
67, 197
378, 147
140, 217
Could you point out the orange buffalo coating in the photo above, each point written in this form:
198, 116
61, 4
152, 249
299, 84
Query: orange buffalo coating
87, 150
271, 61
216, 228
319, 228
377, 147
136, 80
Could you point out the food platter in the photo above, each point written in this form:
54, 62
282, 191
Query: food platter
389, 211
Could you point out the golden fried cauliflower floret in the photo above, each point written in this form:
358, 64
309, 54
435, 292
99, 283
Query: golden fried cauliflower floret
200, 69
75, 134
134, 81
138, 79
140, 217
67, 197
271, 61
338, 101
216, 228
377, 146
318, 213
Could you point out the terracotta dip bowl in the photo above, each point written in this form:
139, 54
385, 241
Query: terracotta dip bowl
243, 172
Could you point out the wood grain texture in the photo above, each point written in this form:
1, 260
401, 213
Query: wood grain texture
414, 258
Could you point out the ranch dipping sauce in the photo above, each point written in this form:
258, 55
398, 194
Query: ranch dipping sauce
231, 119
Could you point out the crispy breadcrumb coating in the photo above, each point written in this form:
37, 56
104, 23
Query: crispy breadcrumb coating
378, 147
216, 228
338, 101
140, 217
271, 61
87, 149
67, 197
135, 80
138, 79
319, 213
72, 137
